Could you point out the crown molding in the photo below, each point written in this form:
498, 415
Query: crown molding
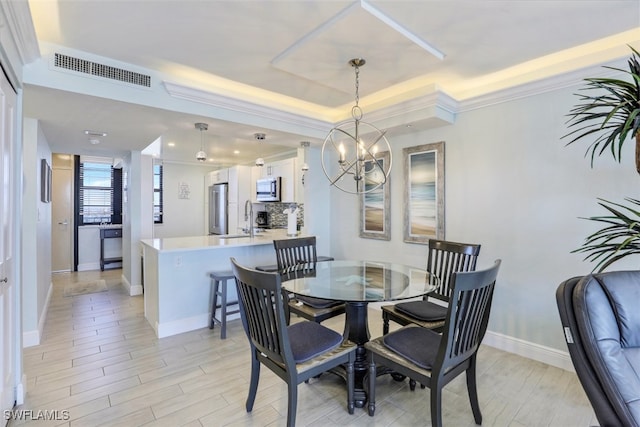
543, 85
436, 106
19, 42
433, 108
308, 125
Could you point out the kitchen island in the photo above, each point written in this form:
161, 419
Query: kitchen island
177, 288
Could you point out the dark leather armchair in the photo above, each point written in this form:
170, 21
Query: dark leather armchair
600, 315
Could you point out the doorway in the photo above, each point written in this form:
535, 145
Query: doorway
62, 213
8, 339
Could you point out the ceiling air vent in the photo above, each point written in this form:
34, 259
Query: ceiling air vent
101, 70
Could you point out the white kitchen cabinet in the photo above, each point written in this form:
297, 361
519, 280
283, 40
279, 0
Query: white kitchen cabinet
233, 216
286, 169
239, 184
217, 177
239, 193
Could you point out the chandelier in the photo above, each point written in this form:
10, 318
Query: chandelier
201, 156
354, 149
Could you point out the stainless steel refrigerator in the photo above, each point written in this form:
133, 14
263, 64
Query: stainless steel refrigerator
218, 209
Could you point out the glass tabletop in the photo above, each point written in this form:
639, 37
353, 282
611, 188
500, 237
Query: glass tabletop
358, 281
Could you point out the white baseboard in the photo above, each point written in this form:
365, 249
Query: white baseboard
175, 327
32, 338
548, 355
21, 390
133, 290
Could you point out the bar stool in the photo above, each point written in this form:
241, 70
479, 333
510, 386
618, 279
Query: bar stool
220, 284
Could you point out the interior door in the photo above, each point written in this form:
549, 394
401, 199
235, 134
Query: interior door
8, 342
61, 216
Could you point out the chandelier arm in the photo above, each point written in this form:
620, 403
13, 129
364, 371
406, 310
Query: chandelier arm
379, 165
344, 132
345, 171
373, 157
382, 133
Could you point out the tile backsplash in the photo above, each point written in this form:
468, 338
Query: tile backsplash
278, 219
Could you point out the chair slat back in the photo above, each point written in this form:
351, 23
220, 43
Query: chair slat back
262, 311
446, 258
290, 252
467, 315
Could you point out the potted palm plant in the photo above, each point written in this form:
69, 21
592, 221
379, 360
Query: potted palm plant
609, 110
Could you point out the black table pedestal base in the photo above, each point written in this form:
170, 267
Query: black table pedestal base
356, 329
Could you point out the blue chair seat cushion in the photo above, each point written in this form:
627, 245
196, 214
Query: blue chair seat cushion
317, 302
416, 344
311, 339
423, 310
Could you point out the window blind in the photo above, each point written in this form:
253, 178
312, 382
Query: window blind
98, 199
96, 192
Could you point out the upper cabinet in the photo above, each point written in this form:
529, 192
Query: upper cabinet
217, 177
286, 169
239, 184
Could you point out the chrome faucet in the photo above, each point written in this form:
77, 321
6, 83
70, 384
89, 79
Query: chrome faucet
248, 217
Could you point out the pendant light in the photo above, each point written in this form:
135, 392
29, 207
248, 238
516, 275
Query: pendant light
201, 156
354, 148
259, 137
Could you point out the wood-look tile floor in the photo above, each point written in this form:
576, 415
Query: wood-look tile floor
100, 361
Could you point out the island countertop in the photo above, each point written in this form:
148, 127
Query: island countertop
194, 243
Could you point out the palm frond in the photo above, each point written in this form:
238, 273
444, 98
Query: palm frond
608, 110
618, 239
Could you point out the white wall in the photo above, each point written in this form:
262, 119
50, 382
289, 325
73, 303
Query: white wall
512, 186
317, 202
137, 220
36, 235
183, 217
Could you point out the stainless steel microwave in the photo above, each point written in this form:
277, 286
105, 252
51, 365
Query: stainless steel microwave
268, 189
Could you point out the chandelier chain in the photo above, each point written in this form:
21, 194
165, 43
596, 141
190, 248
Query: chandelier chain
356, 111
357, 85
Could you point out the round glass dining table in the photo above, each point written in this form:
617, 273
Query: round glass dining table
358, 283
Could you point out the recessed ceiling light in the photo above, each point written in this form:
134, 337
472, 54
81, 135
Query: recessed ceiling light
171, 144
236, 152
94, 133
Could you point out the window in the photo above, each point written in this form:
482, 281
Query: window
99, 192
157, 193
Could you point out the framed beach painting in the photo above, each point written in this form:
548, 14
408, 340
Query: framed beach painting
375, 205
424, 192
45, 181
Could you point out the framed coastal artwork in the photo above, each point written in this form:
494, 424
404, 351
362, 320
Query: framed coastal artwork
45, 181
424, 192
375, 205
